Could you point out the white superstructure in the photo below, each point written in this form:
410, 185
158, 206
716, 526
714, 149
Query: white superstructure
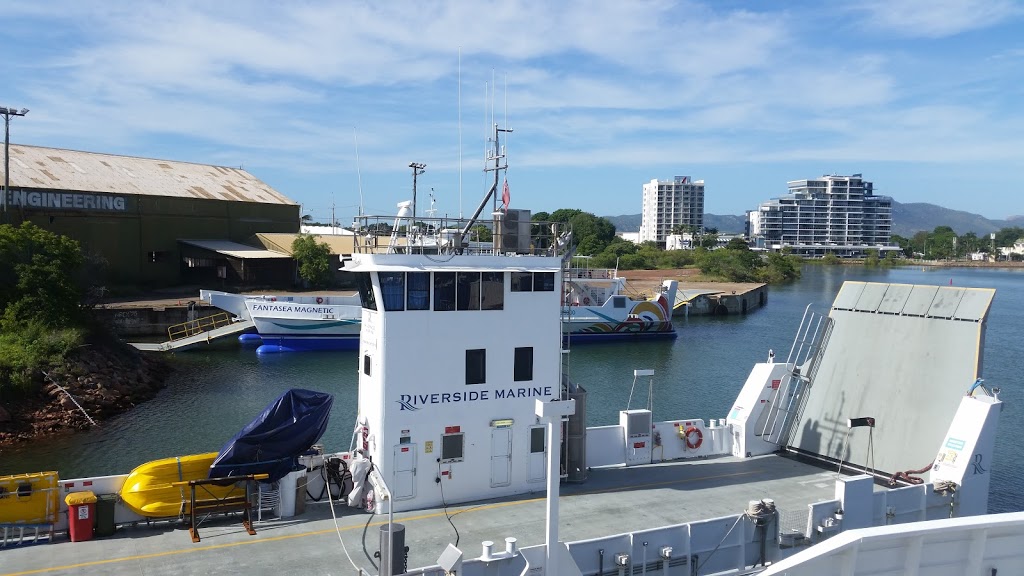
831, 214
671, 203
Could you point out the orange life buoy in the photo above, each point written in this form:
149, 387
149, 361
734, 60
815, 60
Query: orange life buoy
689, 433
319, 300
586, 301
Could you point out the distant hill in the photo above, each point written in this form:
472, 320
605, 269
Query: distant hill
907, 219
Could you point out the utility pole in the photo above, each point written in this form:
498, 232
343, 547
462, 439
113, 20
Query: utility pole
7, 112
417, 169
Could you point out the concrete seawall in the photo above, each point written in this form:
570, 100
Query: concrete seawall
149, 320
738, 301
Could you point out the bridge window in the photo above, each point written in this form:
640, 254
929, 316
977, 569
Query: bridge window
543, 281
492, 291
444, 291
468, 291
476, 366
366, 296
392, 290
522, 282
417, 291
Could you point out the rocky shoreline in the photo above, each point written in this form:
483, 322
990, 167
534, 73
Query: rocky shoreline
105, 379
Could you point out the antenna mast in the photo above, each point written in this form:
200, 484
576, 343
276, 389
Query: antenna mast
417, 169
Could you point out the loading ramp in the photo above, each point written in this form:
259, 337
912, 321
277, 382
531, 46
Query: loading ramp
195, 332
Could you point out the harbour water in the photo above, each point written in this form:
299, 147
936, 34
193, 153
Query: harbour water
217, 390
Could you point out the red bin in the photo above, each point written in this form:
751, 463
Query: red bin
81, 515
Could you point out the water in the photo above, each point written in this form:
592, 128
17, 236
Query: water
217, 390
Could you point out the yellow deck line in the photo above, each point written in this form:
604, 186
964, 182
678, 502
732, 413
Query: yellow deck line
359, 527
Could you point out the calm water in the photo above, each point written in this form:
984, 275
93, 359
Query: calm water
218, 390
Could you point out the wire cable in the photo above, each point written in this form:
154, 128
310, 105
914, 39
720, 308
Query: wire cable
440, 483
337, 529
720, 542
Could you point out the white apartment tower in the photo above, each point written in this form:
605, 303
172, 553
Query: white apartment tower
837, 214
671, 203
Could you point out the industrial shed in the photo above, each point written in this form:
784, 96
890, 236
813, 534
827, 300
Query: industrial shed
134, 212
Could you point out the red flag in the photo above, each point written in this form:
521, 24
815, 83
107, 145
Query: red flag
505, 196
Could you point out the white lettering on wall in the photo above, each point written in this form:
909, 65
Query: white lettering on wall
66, 201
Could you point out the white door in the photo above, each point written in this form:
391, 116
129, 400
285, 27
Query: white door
501, 457
405, 472
538, 454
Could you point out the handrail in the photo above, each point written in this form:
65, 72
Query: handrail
198, 326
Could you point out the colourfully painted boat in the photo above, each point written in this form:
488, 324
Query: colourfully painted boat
149, 489
597, 308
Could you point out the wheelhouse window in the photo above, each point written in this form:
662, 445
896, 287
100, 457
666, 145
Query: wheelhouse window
392, 290
522, 282
476, 366
543, 281
492, 291
366, 297
523, 368
417, 291
467, 294
444, 291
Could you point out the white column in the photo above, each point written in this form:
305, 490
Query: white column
551, 413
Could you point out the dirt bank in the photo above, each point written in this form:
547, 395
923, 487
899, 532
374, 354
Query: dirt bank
105, 378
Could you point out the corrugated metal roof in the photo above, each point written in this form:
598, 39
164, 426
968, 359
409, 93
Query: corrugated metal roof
234, 249
54, 168
282, 242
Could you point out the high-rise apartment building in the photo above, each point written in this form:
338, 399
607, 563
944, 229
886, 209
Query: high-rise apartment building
671, 203
837, 214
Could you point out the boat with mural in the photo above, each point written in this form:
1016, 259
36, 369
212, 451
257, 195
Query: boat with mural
597, 307
868, 447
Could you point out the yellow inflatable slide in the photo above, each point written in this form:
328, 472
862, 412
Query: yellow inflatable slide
149, 490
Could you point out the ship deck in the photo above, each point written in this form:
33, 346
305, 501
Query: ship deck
612, 501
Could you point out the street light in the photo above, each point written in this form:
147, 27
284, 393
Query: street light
7, 113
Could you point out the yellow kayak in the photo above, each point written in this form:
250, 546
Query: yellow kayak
149, 490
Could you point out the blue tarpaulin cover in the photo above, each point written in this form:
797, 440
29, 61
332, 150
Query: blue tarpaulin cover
272, 442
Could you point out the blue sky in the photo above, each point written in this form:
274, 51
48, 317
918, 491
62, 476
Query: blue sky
921, 96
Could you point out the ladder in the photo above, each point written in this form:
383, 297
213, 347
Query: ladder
803, 360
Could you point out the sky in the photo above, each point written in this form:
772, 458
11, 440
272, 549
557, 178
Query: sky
329, 102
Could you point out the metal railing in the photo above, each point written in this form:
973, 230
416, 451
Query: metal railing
198, 326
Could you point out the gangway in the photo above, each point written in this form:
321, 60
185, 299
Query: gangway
194, 332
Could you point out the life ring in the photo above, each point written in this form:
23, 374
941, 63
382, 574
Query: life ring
586, 301
688, 434
319, 300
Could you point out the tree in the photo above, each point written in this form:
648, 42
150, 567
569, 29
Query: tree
314, 260
39, 276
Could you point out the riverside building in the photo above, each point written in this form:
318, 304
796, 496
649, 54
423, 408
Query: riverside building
154, 222
671, 203
832, 214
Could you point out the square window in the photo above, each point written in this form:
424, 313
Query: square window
543, 281
476, 366
523, 368
522, 282
453, 447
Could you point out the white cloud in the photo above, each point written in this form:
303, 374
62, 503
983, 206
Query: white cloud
937, 18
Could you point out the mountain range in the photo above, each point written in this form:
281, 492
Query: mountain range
907, 220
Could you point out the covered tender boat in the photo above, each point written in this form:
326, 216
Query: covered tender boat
271, 443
